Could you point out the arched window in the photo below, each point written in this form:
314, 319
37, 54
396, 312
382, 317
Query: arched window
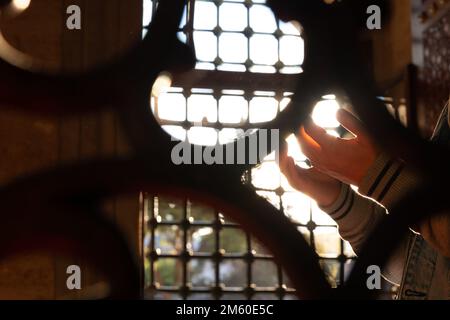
247, 62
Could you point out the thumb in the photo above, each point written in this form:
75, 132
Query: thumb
286, 165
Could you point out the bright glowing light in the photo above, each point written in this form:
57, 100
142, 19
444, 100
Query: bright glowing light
202, 232
329, 97
284, 103
147, 13
296, 205
171, 106
162, 84
324, 114
294, 149
203, 136
21, 4
333, 133
266, 176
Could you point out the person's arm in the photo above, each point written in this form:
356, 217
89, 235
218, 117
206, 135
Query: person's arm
358, 162
351, 161
389, 180
357, 217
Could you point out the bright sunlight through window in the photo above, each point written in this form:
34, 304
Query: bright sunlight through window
243, 38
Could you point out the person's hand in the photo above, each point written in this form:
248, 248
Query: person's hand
347, 160
315, 184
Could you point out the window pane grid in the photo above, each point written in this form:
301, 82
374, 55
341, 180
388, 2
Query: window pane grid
228, 113
194, 252
236, 43
336, 267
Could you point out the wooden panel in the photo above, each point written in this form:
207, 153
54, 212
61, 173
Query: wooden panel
392, 44
109, 28
435, 75
29, 143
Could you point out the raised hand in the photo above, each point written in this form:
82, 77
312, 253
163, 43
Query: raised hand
344, 159
315, 184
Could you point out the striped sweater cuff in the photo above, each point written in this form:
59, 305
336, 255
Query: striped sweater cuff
343, 204
387, 180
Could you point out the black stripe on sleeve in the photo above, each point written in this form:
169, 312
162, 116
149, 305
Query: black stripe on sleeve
352, 199
390, 183
379, 177
347, 192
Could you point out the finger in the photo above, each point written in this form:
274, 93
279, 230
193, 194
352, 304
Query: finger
296, 176
283, 153
310, 148
287, 167
350, 122
284, 148
318, 134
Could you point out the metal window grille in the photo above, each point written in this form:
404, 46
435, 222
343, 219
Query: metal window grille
192, 251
